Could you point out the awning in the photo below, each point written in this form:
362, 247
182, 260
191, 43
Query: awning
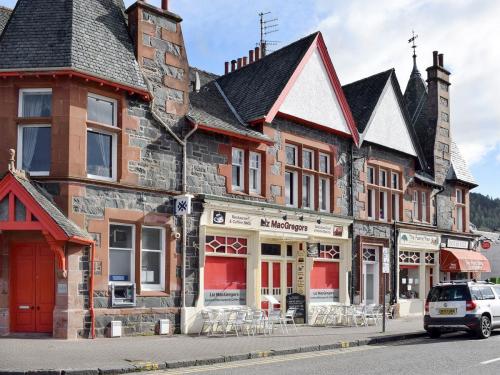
463, 261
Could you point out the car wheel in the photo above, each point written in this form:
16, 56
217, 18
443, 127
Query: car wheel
434, 333
484, 330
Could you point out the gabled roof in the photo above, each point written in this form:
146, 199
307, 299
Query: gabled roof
87, 36
37, 201
4, 17
364, 97
254, 89
210, 110
459, 171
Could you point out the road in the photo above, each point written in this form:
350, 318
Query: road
452, 354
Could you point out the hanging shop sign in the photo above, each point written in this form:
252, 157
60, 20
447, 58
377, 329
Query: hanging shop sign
456, 243
419, 240
182, 205
485, 245
275, 224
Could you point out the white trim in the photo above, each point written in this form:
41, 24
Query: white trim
307, 150
395, 206
372, 205
132, 252
423, 205
241, 186
327, 209
416, 207
373, 181
114, 154
328, 170
106, 99
295, 185
295, 148
394, 174
383, 205
161, 285
380, 173
19, 162
310, 203
258, 172
20, 101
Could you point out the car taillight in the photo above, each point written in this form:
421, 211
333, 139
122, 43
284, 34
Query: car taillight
470, 305
426, 306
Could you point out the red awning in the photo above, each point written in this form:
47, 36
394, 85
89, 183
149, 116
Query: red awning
463, 261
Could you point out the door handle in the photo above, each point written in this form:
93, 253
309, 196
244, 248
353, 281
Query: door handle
38, 307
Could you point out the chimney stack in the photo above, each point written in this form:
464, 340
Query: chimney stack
257, 53
164, 4
239, 62
233, 65
250, 55
438, 83
245, 61
226, 67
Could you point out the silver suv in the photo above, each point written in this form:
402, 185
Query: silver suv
472, 306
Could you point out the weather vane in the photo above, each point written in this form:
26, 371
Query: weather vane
412, 41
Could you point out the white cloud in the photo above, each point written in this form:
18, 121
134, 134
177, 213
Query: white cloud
366, 37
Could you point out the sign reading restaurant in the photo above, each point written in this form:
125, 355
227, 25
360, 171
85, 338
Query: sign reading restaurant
274, 224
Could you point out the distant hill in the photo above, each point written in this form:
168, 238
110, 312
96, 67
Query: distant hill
485, 212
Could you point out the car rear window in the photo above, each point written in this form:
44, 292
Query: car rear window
449, 293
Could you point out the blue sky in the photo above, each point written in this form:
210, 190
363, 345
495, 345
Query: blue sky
365, 37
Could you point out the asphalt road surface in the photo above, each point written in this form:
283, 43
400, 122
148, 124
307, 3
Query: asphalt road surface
451, 354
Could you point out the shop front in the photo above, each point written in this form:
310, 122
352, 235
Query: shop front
262, 256
459, 261
417, 271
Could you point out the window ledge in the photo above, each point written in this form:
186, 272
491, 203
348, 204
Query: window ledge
153, 293
33, 120
99, 126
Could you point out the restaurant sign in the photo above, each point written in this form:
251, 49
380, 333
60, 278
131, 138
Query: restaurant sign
274, 224
457, 244
419, 240
324, 295
227, 297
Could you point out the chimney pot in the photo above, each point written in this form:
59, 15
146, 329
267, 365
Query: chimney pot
435, 58
226, 67
250, 54
257, 53
239, 62
245, 61
164, 4
440, 60
233, 65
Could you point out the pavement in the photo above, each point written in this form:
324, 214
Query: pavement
129, 354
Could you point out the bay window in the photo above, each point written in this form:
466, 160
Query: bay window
384, 193
121, 252
255, 172
34, 149
153, 258
101, 110
238, 162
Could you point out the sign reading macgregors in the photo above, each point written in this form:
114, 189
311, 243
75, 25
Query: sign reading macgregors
227, 297
273, 224
419, 240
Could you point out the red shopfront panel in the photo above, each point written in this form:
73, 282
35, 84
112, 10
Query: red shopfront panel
225, 281
289, 275
325, 282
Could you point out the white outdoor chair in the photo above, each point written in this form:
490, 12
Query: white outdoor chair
289, 318
372, 313
274, 318
209, 322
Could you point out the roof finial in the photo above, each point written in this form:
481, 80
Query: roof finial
12, 160
414, 46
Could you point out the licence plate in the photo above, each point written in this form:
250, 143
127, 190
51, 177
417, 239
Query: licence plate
447, 311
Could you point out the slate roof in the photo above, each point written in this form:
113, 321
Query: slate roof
90, 36
4, 17
363, 96
254, 88
415, 92
459, 171
44, 200
209, 108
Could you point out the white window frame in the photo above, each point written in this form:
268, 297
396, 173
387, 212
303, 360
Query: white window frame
307, 150
114, 155
322, 154
416, 206
395, 207
258, 172
241, 186
107, 99
21, 97
295, 148
161, 285
327, 205
310, 203
372, 193
294, 182
380, 173
20, 147
459, 193
372, 169
397, 187
132, 254
383, 205
423, 205
460, 219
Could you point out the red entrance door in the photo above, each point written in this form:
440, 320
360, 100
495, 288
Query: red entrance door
32, 288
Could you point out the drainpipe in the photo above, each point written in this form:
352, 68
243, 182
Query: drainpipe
183, 144
91, 292
351, 213
395, 236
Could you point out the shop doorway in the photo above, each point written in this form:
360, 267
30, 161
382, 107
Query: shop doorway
371, 270
32, 288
